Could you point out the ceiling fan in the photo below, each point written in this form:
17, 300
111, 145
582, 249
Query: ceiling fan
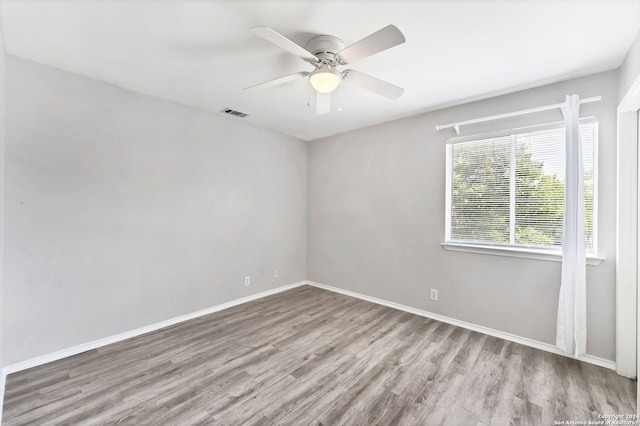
326, 53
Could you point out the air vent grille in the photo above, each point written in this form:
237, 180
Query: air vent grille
234, 112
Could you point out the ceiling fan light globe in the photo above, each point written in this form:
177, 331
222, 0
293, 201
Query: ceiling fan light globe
325, 80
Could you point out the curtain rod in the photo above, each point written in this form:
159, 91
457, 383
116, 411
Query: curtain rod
457, 125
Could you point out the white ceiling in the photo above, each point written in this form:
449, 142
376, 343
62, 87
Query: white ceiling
202, 54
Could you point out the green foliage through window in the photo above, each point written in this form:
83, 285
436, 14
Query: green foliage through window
510, 189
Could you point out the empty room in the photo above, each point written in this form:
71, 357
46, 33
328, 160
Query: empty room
335, 212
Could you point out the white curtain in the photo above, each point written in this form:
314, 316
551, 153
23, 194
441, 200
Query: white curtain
571, 334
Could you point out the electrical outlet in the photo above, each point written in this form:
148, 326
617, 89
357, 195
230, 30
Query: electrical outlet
276, 274
434, 294
247, 280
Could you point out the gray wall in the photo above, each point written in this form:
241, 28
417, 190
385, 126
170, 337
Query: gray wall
376, 220
2, 132
630, 68
123, 210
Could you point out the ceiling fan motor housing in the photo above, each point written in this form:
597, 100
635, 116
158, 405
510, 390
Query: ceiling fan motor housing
325, 47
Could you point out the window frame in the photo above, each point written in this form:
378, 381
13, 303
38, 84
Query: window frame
515, 250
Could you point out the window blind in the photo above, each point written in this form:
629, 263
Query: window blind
507, 188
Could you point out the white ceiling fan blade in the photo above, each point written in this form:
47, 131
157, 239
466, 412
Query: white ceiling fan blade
383, 39
323, 103
284, 43
373, 84
280, 80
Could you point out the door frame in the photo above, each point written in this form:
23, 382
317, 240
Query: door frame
627, 226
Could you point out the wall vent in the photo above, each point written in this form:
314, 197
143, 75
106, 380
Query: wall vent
234, 112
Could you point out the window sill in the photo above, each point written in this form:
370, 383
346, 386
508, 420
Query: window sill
515, 252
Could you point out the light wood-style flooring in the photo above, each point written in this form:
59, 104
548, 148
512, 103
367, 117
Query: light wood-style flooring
313, 357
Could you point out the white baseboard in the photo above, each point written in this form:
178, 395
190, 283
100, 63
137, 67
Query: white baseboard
44, 359
470, 326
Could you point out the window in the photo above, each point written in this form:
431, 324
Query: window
507, 188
